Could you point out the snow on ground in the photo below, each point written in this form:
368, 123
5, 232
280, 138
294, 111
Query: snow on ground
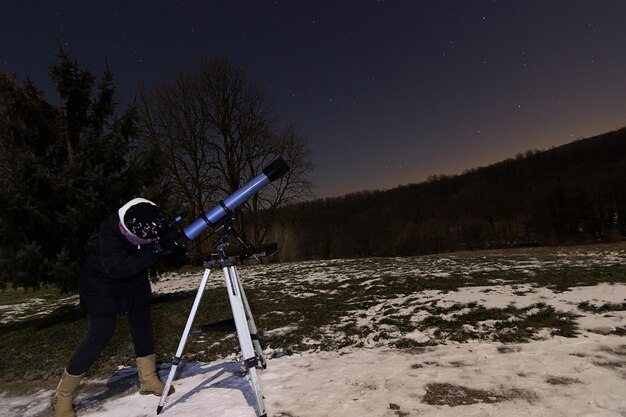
33, 308
556, 377
583, 376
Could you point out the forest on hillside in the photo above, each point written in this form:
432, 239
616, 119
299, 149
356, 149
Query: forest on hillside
575, 193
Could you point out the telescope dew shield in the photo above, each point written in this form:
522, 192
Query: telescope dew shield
276, 169
270, 173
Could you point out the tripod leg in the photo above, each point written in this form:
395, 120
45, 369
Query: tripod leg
183, 341
254, 334
243, 333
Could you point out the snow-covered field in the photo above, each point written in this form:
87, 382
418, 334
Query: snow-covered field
442, 370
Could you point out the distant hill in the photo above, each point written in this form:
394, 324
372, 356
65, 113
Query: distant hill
574, 193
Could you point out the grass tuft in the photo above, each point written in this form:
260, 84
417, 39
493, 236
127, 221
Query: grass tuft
456, 395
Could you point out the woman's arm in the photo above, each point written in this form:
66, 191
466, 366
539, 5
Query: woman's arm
116, 261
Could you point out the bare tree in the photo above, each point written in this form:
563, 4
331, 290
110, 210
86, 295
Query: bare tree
294, 186
174, 126
217, 131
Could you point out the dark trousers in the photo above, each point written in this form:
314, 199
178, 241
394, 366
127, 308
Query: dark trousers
100, 332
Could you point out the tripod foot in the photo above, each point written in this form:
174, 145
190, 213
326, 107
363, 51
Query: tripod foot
159, 409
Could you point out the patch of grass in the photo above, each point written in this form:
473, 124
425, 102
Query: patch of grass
397, 410
619, 350
620, 331
560, 323
610, 364
508, 349
562, 380
456, 395
510, 324
603, 308
405, 343
39, 348
11, 295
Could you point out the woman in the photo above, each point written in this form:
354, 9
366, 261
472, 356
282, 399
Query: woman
114, 280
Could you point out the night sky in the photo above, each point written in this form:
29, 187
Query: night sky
388, 92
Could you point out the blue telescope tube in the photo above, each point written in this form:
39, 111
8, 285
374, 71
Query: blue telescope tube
217, 214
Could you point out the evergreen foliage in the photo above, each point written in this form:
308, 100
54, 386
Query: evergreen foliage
62, 170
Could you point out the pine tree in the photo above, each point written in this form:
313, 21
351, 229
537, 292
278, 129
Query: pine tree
63, 169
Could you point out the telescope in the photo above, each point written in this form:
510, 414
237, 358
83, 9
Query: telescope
172, 243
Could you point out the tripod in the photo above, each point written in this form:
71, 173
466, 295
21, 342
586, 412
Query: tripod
242, 316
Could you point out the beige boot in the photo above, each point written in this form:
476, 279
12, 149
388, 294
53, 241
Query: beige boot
64, 396
149, 382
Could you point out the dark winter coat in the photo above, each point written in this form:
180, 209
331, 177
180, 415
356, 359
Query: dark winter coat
114, 276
